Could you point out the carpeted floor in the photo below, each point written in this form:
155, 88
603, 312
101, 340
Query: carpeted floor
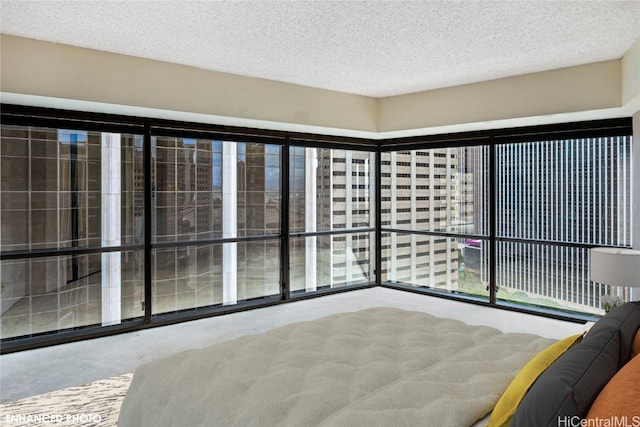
94, 404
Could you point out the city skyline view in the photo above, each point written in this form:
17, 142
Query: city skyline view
216, 222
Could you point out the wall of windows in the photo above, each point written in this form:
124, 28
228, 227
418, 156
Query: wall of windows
332, 218
511, 221
214, 192
556, 199
71, 215
108, 229
435, 219
111, 223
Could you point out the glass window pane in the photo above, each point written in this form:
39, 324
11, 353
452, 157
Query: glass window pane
258, 269
190, 277
195, 178
331, 261
575, 191
132, 190
186, 278
187, 189
66, 188
442, 189
79, 189
258, 189
448, 264
330, 189
51, 294
551, 276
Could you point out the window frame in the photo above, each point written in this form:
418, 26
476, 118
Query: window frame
148, 127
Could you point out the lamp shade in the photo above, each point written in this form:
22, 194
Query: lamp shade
615, 266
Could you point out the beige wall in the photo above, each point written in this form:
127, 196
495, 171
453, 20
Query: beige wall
582, 88
53, 70
52, 73
631, 76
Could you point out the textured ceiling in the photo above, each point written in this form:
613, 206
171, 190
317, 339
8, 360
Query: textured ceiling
374, 48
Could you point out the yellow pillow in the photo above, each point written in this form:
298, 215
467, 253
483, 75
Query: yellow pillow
510, 399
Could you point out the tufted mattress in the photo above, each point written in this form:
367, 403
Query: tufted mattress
375, 367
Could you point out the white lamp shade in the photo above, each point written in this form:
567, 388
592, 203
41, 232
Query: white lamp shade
615, 266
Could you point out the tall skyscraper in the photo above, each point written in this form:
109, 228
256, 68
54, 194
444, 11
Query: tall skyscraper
421, 192
558, 198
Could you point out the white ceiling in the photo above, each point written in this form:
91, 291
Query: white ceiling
374, 48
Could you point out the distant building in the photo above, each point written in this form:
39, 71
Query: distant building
571, 191
421, 191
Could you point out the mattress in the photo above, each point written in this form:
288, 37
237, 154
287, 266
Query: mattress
376, 367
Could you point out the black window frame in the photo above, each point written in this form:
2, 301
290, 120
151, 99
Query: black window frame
58, 118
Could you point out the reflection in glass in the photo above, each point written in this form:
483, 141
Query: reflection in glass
186, 278
207, 189
258, 189
440, 189
331, 261
330, 189
67, 189
448, 264
190, 277
258, 269
436, 190
195, 178
42, 295
187, 175
298, 171
548, 276
574, 191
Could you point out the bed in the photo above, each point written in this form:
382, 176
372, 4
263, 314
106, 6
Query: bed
376, 367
